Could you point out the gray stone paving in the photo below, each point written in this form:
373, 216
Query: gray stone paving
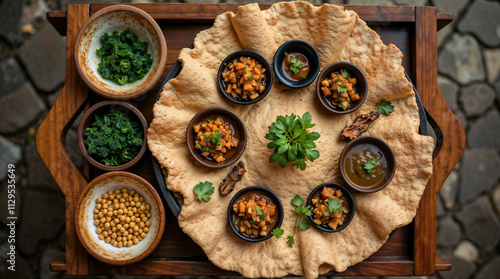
32, 72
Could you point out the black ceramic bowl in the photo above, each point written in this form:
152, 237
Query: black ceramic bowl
270, 194
260, 59
362, 85
387, 153
348, 197
238, 126
304, 48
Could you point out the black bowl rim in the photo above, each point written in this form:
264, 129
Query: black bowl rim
262, 60
254, 188
235, 118
279, 73
376, 141
346, 192
329, 107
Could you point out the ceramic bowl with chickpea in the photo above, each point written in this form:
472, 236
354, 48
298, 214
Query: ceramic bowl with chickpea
332, 207
120, 218
216, 137
244, 77
341, 87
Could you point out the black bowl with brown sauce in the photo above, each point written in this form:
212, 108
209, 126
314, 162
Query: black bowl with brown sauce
306, 56
367, 164
238, 223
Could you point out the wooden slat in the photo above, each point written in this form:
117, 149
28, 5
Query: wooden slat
50, 143
383, 267
443, 19
451, 141
442, 264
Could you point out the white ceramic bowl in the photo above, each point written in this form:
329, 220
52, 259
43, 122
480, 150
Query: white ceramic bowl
119, 18
86, 229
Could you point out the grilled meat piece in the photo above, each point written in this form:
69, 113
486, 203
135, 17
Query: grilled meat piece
360, 125
227, 185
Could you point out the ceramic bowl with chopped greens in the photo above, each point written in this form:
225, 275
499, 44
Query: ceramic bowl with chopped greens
120, 52
112, 135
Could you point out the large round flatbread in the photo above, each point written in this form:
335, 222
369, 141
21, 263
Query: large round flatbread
337, 34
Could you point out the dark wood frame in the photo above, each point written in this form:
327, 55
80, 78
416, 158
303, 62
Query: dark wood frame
410, 250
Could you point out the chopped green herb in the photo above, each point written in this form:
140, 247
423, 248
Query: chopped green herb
208, 119
336, 80
341, 105
251, 77
237, 221
303, 76
334, 205
342, 88
291, 142
260, 213
385, 107
278, 232
296, 65
286, 53
203, 190
344, 72
124, 58
113, 138
245, 71
370, 165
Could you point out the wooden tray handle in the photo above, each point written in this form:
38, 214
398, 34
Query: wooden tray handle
450, 143
50, 142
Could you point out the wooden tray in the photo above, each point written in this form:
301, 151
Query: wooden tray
410, 250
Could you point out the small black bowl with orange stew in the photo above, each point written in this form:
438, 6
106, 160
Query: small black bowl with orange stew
332, 206
244, 77
254, 212
296, 64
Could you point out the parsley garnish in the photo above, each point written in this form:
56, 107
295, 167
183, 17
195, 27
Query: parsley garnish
278, 232
342, 88
251, 77
344, 72
335, 81
290, 141
341, 105
385, 107
301, 210
370, 165
237, 221
203, 190
208, 119
296, 65
244, 71
260, 213
286, 53
303, 76
334, 205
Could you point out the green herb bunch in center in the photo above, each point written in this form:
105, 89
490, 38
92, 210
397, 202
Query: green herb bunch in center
125, 59
291, 141
114, 138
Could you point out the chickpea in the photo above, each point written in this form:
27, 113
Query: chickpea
101, 237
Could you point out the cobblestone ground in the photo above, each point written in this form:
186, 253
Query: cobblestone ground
32, 73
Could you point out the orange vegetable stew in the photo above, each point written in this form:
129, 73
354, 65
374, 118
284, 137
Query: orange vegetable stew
255, 214
340, 90
216, 138
244, 79
330, 208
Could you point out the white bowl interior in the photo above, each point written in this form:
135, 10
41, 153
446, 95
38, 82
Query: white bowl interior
91, 41
88, 228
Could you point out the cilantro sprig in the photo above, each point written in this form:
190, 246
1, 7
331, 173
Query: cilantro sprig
385, 107
295, 65
203, 190
333, 206
344, 73
370, 165
291, 142
278, 232
301, 210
